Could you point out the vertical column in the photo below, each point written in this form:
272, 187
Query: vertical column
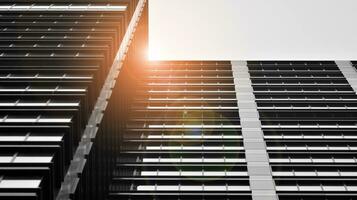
349, 72
259, 171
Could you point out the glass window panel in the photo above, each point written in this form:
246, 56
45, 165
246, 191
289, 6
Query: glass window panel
20, 183
12, 138
334, 188
352, 188
310, 188
33, 159
348, 173
5, 159
287, 188
45, 138
328, 174
283, 173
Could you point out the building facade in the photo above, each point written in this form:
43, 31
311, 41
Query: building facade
83, 115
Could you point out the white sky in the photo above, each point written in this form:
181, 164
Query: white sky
253, 29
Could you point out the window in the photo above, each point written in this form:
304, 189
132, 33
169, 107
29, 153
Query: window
5, 159
69, 7
192, 188
193, 173
194, 148
5, 183
194, 126
33, 159
194, 160
195, 137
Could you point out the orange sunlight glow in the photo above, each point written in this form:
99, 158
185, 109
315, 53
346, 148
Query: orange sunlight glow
154, 54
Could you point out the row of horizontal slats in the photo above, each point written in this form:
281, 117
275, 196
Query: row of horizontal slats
309, 119
183, 140
52, 66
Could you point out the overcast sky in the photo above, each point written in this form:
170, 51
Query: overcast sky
253, 29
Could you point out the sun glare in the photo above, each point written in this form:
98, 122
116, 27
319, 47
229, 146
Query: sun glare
154, 54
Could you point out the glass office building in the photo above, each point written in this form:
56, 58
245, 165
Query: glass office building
84, 115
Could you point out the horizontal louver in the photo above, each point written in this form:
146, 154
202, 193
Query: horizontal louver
309, 119
183, 140
54, 58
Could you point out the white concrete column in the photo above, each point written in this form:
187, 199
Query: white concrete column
259, 170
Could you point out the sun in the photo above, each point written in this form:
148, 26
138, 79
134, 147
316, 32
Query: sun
154, 54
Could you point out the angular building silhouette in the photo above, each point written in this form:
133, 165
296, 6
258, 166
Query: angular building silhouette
83, 115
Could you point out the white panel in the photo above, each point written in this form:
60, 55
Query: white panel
253, 29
